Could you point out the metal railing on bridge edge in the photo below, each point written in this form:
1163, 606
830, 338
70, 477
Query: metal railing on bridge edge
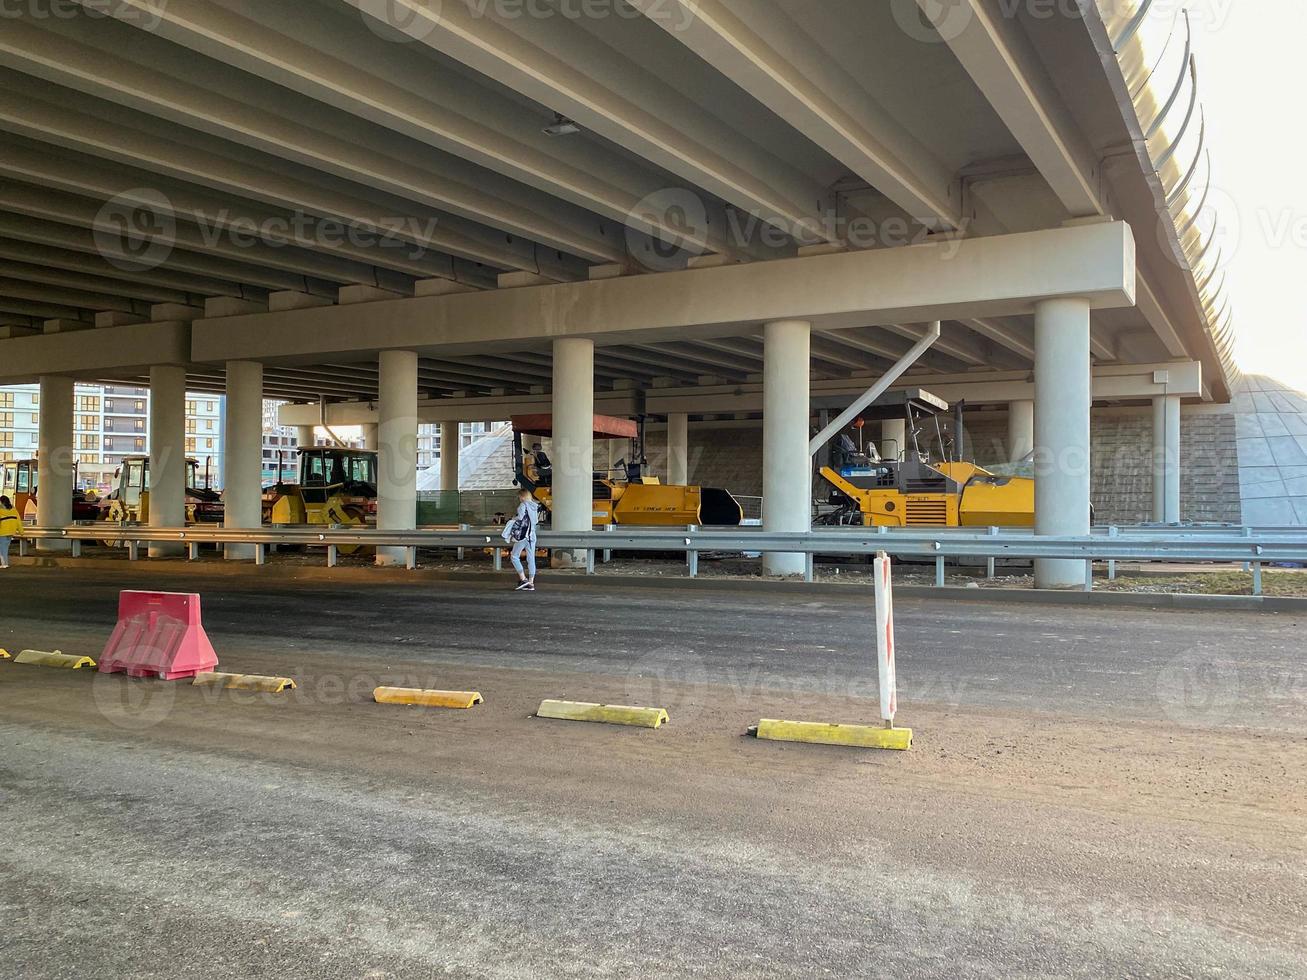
1250, 547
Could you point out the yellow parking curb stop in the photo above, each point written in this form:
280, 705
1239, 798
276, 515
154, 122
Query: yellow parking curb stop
611, 714
243, 682
41, 658
426, 699
860, 736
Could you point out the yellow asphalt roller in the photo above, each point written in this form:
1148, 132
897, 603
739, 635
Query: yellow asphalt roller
426, 699
244, 682
41, 658
610, 714
859, 736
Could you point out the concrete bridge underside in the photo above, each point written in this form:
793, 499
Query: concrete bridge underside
722, 206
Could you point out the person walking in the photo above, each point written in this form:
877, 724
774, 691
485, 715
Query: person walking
11, 526
520, 532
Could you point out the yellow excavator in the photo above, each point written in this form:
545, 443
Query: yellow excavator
624, 495
930, 486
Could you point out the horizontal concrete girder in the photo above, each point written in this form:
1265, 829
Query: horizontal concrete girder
983, 277
809, 89
476, 206
568, 68
397, 87
492, 408
95, 353
1003, 62
1110, 383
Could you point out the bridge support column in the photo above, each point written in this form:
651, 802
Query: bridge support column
893, 438
786, 465
1062, 402
1166, 459
678, 449
242, 454
397, 454
573, 459
54, 465
450, 443
370, 437
168, 470
1020, 430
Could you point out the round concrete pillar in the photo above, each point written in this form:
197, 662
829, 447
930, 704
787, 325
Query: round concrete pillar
397, 456
1020, 430
370, 437
893, 439
678, 449
1062, 402
1166, 459
54, 461
786, 464
242, 454
450, 443
167, 454
573, 443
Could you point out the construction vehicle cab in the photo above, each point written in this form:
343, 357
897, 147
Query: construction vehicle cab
337, 485
626, 495
931, 486
129, 501
19, 480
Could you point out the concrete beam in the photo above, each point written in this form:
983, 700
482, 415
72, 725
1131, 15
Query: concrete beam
1003, 275
620, 404
571, 70
476, 207
95, 353
808, 89
994, 49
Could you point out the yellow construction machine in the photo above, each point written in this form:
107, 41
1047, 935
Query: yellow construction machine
624, 495
337, 485
129, 501
929, 486
18, 482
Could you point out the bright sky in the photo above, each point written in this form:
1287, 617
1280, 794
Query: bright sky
1250, 65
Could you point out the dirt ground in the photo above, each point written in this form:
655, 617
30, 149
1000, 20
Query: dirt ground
1090, 792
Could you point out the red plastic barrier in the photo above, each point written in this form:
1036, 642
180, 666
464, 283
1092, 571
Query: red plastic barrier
158, 635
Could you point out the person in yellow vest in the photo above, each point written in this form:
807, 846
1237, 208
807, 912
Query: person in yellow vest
11, 526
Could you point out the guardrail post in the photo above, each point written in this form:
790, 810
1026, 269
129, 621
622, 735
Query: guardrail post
608, 552
939, 571
1112, 532
411, 557
192, 550
589, 561
133, 550
809, 572
333, 555
260, 553
1257, 578
1089, 575
691, 557
497, 557
989, 562
462, 527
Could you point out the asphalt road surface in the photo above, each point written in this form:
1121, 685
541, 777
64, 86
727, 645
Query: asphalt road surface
1093, 792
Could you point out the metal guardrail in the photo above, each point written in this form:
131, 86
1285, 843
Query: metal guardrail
1248, 546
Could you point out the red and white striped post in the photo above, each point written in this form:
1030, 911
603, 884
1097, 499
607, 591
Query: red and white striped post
889, 698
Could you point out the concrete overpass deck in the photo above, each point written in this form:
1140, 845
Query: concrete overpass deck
1087, 796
